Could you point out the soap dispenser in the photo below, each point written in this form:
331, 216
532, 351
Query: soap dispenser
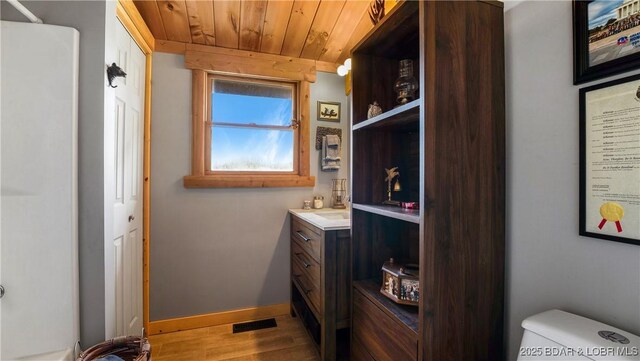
318, 202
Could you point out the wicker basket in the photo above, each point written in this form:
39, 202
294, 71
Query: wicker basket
128, 348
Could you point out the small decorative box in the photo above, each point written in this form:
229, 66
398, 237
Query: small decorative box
410, 205
401, 283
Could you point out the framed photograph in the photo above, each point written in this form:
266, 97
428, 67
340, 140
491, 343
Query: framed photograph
329, 111
610, 160
606, 38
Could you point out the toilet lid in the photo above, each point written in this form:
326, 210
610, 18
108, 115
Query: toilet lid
589, 338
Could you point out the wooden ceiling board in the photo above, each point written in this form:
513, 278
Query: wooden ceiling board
363, 27
227, 23
252, 14
275, 26
174, 18
345, 26
151, 15
321, 28
304, 11
201, 22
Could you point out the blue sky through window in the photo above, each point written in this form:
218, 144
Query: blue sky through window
251, 149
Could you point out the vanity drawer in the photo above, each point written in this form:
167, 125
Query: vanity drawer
382, 337
306, 287
310, 267
309, 238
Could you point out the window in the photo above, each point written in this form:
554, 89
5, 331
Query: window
249, 132
253, 126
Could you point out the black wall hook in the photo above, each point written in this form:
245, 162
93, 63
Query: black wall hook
113, 72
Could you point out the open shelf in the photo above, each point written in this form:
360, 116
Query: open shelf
406, 315
402, 116
408, 215
400, 27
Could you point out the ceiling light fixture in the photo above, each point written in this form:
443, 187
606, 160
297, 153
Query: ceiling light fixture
344, 68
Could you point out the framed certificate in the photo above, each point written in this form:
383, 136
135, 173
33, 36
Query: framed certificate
610, 160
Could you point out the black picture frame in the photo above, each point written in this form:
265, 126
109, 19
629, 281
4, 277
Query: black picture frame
582, 71
583, 158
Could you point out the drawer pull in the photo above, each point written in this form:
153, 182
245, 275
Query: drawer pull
304, 263
301, 235
306, 291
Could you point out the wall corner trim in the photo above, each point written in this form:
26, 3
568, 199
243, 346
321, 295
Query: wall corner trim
130, 17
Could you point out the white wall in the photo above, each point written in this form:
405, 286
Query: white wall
218, 249
549, 265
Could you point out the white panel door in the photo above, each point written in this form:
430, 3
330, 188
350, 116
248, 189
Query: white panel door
127, 204
39, 203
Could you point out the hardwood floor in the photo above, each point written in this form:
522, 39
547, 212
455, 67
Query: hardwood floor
288, 341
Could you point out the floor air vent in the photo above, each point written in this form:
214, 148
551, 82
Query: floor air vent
254, 325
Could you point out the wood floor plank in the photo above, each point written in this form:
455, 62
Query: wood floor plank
236, 349
178, 336
298, 353
288, 341
192, 355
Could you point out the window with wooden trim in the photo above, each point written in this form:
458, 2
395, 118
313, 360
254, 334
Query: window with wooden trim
253, 127
249, 132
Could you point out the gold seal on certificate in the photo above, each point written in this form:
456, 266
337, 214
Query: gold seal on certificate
610, 160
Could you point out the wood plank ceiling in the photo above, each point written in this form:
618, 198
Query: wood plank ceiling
323, 30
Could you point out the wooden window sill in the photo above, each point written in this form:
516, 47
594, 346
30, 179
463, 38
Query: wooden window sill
248, 181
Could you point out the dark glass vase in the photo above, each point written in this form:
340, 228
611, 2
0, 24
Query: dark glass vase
406, 85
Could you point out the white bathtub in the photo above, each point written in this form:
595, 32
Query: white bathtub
39, 233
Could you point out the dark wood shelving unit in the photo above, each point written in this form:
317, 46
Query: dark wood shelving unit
406, 315
408, 215
448, 145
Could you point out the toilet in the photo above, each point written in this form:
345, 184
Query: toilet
557, 335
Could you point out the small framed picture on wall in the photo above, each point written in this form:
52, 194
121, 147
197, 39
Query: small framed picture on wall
329, 111
606, 38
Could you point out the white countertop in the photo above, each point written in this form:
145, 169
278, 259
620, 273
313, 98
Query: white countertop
327, 219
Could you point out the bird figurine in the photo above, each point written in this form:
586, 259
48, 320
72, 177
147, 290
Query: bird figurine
374, 109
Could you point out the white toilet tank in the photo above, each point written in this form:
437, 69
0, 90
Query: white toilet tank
561, 336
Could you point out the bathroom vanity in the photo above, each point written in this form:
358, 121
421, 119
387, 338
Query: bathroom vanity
320, 277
